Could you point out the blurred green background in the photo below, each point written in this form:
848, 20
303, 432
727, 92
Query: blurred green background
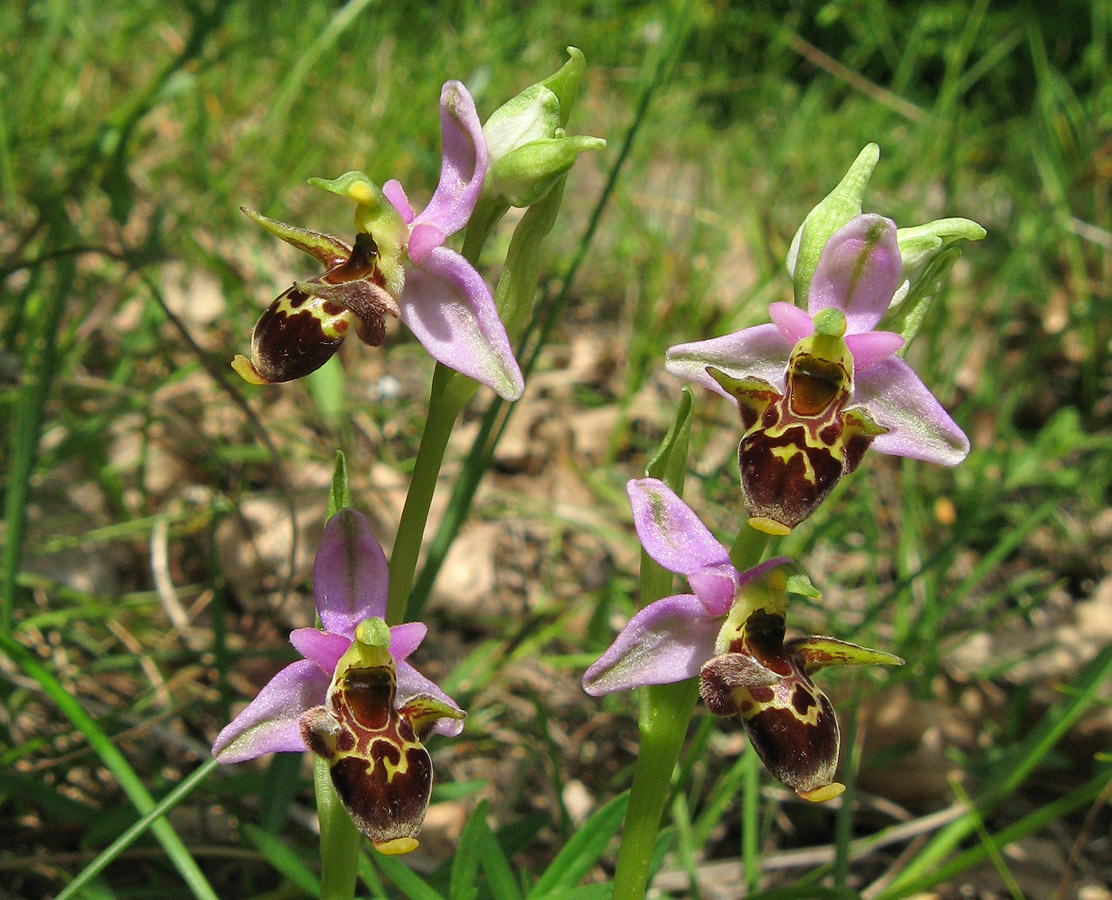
149, 568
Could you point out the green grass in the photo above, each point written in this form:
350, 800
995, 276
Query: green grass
130, 133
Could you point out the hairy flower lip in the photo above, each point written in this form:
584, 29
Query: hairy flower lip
350, 584
309, 704
816, 388
731, 634
438, 294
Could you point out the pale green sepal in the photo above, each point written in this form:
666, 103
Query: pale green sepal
322, 247
831, 213
820, 652
907, 318
919, 244
564, 82
376, 216
525, 174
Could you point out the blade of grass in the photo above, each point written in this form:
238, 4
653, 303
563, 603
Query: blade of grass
1042, 817
115, 762
1054, 726
283, 860
24, 436
581, 852
988, 844
125, 840
465, 862
499, 876
404, 878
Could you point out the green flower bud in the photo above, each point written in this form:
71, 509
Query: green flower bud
928, 253
526, 145
525, 174
922, 243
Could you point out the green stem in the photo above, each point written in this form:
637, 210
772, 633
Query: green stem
748, 548
663, 729
339, 839
450, 393
666, 714
514, 298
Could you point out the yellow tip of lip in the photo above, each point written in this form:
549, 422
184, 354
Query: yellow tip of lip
824, 793
396, 846
243, 368
769, 526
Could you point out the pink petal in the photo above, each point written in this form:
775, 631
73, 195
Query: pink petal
463, 164
423, 239
758, 352
793, 323
268, 724
918, 426
448, 306
404, 639
412, 683
667, 641
320, 647
395, 193
673, 536
350, 574
858, 272
871, 347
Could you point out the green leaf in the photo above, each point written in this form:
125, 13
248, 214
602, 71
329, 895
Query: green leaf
326, 387
283, 859
499, 876
281, 786
465, 862
115, 762
583, 850
600, 891
404, 878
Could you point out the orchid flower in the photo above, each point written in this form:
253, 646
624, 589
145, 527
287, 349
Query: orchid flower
397, 266
817, 388
730, 633
353, 699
